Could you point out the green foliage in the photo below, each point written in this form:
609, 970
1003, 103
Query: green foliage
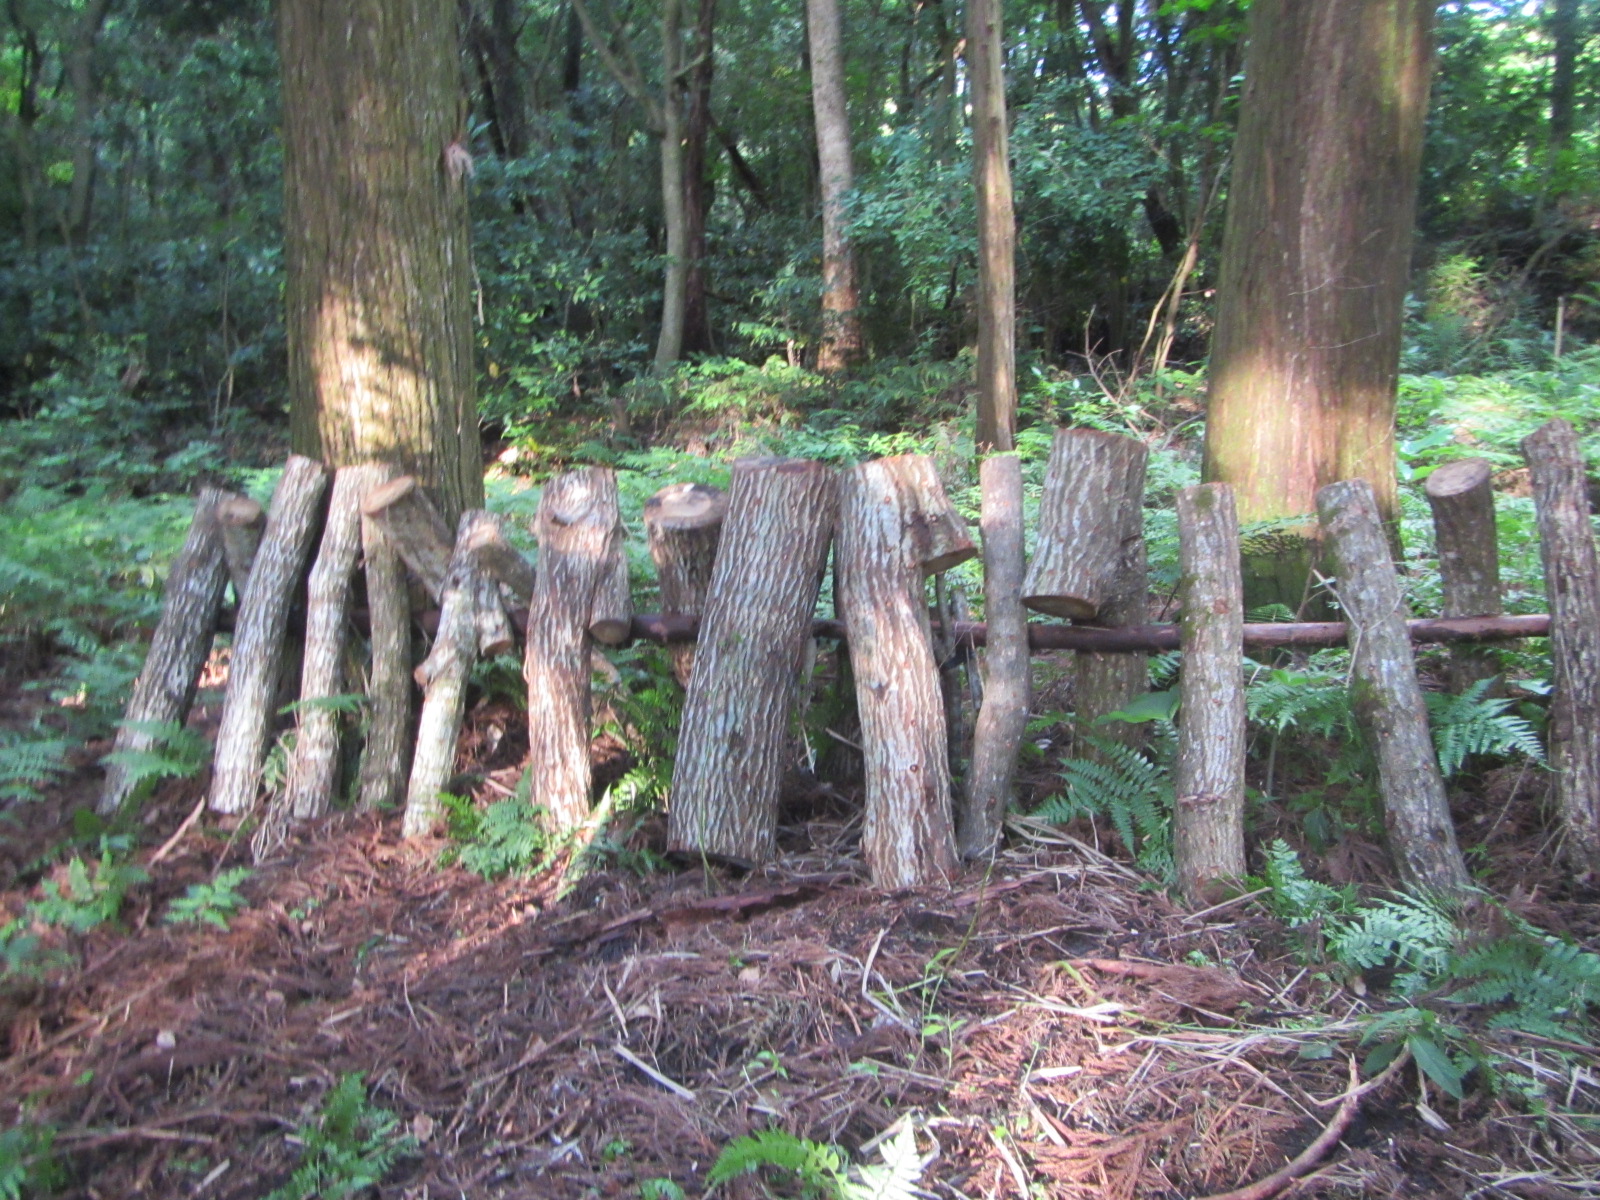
1296, 898
1541, 984
1439, 1048
347, 1148
27, 1167
661, 1189
1413, 935
825, 1169
30, 764
1475, 723
1132, 790
91, 897
212, 902
506, 838
176, 752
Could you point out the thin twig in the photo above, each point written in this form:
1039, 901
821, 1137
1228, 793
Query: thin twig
628, 1056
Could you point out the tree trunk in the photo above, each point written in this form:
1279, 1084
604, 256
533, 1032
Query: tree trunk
674, 213
1315, 262
758, 616
1385, 693
85, 89
997, 232
1572, 581
841, 343
1003, 719
1567, 41
683, 525
1462, 499
378, 279
259, 633
895, 527
579, 536
414, 528
386, 756
1208, 820
241, 520
164, 691
697, 190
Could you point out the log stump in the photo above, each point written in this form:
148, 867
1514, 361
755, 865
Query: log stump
1572, 582
580, 539
759, 606
1462, 499
682, 525
896, 527
164, 691
1385, 694
241, 520
1208, 821
259, 634
386, 754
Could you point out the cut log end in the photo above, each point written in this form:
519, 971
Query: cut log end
241, 511
686, 506
386, 496
1457, 478
1071, 608
612, 631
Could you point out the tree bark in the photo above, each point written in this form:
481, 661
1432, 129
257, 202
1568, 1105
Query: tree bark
895, 527
580, 535
758, 616
1315, 262
259, 633
841, 343
697, 190
674, 213
1208, 821
683, 525
1567, 42
1003, 719
1462, 499
164, 691
1572, 582
378, 280
241, 520
386, 756
1385, 693
997, 232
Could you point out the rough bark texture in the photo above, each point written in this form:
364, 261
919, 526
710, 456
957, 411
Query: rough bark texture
697, 185
1315, 259
499, 559
578, 531
1384, 689
378, 269
753, 636
841, 342
1003, 718
997, 231
414, 528
1208, 823
675, 283
885, 509
165, 688
1083, 521
1462, 499
259, 632
611, 614
314, 765
683, 525
241, 520
1572, 581
386, 756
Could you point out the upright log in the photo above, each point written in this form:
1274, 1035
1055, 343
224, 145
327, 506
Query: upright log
241, 520
752, 639
415, 529
1572, 582
386, 755
682, 525
1384, 689
165, 688
1462, 498
895, 527
259, 632
1003, 718
314, 765
579, 540
1083, 521
1208, 824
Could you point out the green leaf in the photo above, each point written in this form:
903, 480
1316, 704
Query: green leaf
1435, 1063
1152, 706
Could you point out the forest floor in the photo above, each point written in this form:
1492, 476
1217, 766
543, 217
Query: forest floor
1051, 1027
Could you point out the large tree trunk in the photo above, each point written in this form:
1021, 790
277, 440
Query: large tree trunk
1315, 261
841, 341
997, 233
378, 282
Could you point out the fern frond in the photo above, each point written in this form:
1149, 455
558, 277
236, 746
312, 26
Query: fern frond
30, 764
1472, 723
817, 1164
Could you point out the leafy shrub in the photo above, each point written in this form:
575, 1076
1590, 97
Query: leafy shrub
348, 1148
212, 902
506, 838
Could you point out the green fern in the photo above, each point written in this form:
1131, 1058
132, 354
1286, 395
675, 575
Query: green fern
1295, 897
27, 1167
1414, 935
1547, 986
1472, 723
211, 902
1314, 701
30, 764
175, 752
506, 838
1131, 790
347, 1149
88, 900
817, 1165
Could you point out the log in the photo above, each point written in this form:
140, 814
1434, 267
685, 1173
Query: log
314, 765
259, 631
885, 509
1003, 717
1083, 521
577, 528
242, 520
611, 614
682, 525
500, 560
1208, 821
165, 689
415, 528
1462, 499
386, 755
1572, 582
758, 615
1386, 696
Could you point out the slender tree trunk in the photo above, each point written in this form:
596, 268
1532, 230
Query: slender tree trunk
1315, 259
997, 234
85, 87
378, 287
841, 341
697, 191
1563, 22
675, 282
1462, 499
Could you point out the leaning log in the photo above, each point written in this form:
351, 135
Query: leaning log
415, 529
241, 520
1208, 821
758, 615
1572, 582
164, 691
579, 539
1385, 694
895, 527
682, 525
386, 754
259, 632
1462, 499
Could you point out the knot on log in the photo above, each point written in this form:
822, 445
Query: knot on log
1200, 800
